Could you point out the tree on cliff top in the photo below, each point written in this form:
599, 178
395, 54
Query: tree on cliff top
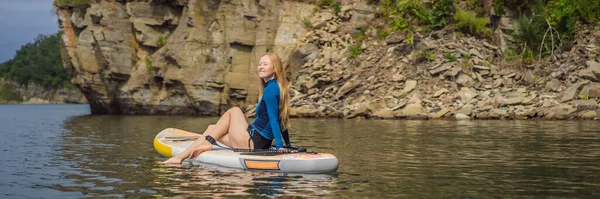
37, 62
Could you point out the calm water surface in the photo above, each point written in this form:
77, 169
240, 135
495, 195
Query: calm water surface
60, 151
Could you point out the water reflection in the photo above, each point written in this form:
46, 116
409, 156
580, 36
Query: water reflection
113, 156
217, 182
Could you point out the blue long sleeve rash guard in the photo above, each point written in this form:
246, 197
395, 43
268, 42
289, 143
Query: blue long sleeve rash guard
267, 120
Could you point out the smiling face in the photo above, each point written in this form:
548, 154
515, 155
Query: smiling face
266, 71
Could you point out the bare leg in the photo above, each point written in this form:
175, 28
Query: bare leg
231, 130
233, 120
179, 157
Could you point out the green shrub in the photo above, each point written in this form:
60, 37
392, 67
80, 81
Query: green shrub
337, 8
550, 24
80, 3
323, 3
37, 62
149, 64
565, 14
466, 57
7, 93
428, 56
382, 34
499, 8
511, 53
405, 13
585, 96
521, 6
562, 16
354, 50
535, 36
358, 37
450, 57
61, 3
307, 23
441, 10
527, 56
587, 11
161, 40
467, 22
73, 3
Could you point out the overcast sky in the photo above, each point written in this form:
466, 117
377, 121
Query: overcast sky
23, 20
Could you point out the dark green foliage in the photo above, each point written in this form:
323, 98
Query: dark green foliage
373, 2
307, 23
565, 14
510, 53
358, 37
499, 8
441, 11
428, 56
61, 3
80, 3
149, 67
405, 13
467, 22
38, 62
161, 40
7, 93
71, 3
527, 56
450, 57
354, 51
546, 25
521, 6
475, 6
381, 33
535, 35
330, 3
337, 8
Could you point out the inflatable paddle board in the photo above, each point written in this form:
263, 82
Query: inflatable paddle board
171, 141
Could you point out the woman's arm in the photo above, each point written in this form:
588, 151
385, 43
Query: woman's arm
272, 102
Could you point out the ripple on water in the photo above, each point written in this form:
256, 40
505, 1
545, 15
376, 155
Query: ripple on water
64, 156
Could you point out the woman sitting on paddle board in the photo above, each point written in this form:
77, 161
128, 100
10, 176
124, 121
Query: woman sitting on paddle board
272, 115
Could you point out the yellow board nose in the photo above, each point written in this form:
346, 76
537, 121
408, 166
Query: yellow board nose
162, 148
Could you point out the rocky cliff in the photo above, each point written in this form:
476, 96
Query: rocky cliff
175, 57
198, 58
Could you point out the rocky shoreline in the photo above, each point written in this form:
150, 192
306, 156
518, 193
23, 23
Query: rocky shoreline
34, 94
441, 75
197, 58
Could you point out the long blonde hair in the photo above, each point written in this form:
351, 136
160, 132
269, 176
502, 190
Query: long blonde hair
282, 81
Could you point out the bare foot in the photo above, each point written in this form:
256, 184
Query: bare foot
199, 150
173, 160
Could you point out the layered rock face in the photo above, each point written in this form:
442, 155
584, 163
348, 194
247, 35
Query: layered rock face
199, 58
195, 57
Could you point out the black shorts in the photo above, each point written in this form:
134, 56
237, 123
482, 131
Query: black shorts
260, 142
